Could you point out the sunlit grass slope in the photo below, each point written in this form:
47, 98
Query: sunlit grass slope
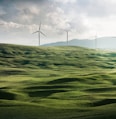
57, 83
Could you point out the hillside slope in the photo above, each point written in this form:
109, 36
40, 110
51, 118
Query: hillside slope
57, 83
53, 57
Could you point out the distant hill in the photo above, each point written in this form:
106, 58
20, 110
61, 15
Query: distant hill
102, 43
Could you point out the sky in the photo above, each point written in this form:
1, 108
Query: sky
84, 19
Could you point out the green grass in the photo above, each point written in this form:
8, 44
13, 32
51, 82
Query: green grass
57, 83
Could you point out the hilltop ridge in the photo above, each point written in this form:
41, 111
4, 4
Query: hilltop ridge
51, 57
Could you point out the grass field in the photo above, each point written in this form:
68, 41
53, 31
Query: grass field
57, 83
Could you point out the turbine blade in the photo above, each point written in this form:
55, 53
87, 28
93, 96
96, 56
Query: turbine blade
42, 33
35, 32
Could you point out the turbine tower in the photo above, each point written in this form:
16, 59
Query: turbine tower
67, 36
96, 42
39, 33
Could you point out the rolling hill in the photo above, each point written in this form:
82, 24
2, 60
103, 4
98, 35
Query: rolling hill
102, 43
63, 82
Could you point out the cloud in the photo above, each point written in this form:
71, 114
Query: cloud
97, 8
66, 1
2, 12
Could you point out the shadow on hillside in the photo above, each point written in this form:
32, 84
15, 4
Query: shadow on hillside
47, 87
104, 102
65, 80
12, 72
44, 93
6, 95
98, 90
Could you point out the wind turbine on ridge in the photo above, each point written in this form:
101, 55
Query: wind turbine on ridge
67, 35
96, 41
39, 33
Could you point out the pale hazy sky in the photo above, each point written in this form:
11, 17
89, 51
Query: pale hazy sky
84, 18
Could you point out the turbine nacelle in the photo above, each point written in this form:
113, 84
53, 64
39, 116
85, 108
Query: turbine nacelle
39, 32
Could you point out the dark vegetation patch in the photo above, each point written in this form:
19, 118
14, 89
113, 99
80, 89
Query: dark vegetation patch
6, 95
12, 72
114, 82
3, 87
44, 93
104, 102
65, 80
107, 66
98, 90
111, 54
47, 87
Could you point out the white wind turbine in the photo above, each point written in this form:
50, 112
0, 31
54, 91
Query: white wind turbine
67, 35
96, 42
39, 33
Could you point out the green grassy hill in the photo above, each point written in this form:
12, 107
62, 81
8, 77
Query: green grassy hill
57, 83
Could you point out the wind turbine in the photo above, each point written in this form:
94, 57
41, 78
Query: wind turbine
39, 33
96, 42
67, 35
